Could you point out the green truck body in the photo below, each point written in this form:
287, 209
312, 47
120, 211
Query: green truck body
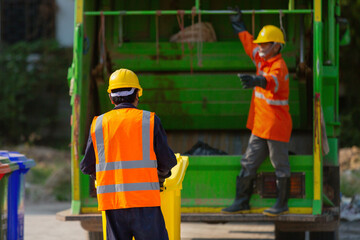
193, 87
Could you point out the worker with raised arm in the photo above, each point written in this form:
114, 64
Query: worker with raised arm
128, 154
269, 119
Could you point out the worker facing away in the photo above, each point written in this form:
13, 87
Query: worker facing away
269, 119
128, 154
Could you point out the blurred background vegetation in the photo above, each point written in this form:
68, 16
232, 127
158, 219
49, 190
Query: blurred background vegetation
349, 77
34, 98
35, 117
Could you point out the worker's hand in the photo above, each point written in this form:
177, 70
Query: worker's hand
250, 81
161, 183
237, 21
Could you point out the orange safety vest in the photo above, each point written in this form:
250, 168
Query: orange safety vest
269, 116
126, 166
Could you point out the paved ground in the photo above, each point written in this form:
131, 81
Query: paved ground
41, 224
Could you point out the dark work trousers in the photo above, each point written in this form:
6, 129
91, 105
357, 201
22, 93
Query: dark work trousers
142, 223
257, 151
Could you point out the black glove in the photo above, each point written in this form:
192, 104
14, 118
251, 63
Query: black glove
236, 21
161, 183
250, 81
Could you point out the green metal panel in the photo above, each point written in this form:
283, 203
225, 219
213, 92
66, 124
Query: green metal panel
318, 71
331, 31
76, 87
332, 157
210, 181
298, 164
201, 101
218, 56
204, 12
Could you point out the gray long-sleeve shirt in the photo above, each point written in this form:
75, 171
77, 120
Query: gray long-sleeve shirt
164, 155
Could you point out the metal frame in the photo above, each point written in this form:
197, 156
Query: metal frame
196, 11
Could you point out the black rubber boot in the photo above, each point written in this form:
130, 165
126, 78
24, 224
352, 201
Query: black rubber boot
244, 187
283, 191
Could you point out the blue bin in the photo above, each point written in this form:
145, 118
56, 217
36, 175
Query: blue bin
6, 168
16, 194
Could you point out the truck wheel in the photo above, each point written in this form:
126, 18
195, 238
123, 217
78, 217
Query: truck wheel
334, 235
95, 236
280, 235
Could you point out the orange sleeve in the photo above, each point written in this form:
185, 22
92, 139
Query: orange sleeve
272, 79
276, 77
247, 40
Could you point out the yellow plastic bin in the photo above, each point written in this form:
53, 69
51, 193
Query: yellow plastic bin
170, 199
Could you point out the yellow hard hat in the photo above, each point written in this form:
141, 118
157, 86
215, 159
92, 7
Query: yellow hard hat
270, 33
124, 78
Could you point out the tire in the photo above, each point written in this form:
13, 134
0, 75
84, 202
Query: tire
95, 236
280, 235
334, 235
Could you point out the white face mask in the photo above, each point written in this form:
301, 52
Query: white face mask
266, 52
262, 54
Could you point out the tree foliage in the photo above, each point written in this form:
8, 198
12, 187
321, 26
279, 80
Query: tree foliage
350, 77
32, 78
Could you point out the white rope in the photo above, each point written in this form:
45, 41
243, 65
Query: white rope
281, 24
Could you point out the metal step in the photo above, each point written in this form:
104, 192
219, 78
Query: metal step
218, 217
255, 217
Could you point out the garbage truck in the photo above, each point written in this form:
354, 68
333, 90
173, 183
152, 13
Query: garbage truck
187, 58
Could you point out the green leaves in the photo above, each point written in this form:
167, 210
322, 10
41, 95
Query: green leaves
32, 78
349, 76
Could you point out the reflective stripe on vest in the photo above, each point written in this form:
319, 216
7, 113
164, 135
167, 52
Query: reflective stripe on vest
131, 164
145, 163
254, 53
271, 101
286, 77
125, 187
275, 80
276, 83
100, 139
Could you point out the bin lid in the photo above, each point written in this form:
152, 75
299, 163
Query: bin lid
6, 166
4, 160
20, 159
177, 173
